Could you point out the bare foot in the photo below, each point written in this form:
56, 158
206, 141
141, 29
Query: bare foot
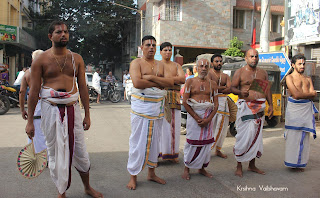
256, 170
62, 196
238, 171
93, 193
157, 179
132, 183
297, 169
186, 174
205, 173
220, 154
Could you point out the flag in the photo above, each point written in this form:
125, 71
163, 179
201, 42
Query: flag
254, 34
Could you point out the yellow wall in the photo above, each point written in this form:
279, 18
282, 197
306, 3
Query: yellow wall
10, 12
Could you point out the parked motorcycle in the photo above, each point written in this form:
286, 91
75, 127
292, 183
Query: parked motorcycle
10, 92
12, 95
4, 101
109, 91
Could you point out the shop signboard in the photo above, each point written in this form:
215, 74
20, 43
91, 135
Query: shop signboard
279, 58
8, 33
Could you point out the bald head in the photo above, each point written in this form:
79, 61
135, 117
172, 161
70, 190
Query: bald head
251, 50
252, 57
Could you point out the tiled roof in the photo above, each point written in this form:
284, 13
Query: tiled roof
248, 5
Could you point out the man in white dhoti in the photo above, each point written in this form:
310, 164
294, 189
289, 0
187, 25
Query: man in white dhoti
222, 116
201, 102
149, 77
96, 83
300, 121
61, 120
39, 140
250, 116
170, 136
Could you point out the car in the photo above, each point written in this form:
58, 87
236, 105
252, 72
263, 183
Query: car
185, 66
89, 76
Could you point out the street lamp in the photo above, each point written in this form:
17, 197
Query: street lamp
138, 11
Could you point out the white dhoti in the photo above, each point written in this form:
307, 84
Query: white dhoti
98, 89
63, 129
222, 122
249, 124
146, 124
300, 122
39, 140
171, 127
170, 136
199, 140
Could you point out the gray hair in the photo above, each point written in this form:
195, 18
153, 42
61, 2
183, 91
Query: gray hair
36, 53
202, 60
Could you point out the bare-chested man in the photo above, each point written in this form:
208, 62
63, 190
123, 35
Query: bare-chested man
201, 102
149, 77
170, 136
61, 120
224, 83
250, 116
39, 140
299, 116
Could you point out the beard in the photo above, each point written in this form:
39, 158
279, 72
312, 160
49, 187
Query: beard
300, 71
218, 68
253, 64
61, 43
202, 76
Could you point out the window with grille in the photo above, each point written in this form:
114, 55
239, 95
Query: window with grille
275, 23
239, 20
172, 10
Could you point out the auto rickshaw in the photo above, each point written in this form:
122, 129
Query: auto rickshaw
274, 77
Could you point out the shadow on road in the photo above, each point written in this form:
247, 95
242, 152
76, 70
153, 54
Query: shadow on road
109, 175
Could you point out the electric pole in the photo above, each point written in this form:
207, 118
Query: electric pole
265, 25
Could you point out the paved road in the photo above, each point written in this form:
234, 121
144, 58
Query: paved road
107, 144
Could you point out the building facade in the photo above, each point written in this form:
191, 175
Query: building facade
16, 45
206, 26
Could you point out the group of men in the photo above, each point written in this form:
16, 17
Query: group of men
154, 112
58, 76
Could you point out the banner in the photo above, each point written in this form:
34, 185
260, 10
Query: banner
303, 23
8, 33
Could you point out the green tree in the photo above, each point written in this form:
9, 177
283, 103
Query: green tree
96, 26
234, 48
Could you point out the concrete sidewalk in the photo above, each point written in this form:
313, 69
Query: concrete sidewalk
107, 144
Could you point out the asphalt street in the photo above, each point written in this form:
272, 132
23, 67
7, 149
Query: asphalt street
107, 144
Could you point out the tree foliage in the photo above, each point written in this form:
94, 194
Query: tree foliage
234, 48
96, 26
